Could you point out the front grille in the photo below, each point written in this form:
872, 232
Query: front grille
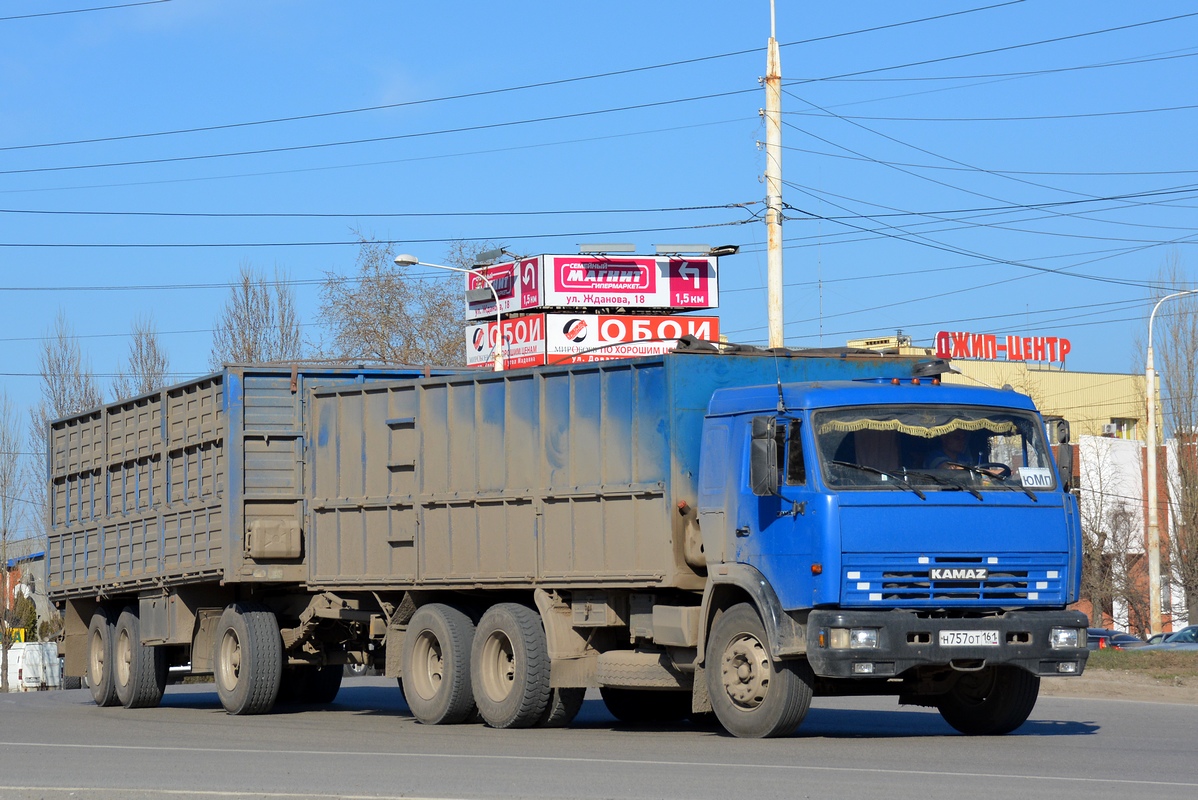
906, 581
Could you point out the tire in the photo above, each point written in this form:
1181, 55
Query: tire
509, 667
247, 659
72, 682
139, 672
356, 670
436, 665
752, 696
293, 685
639, 669
991, 702
315, 686
564, 705
646, 706
100, 633
324, 685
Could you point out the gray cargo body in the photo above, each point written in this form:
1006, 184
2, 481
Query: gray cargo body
570, 477
200, 482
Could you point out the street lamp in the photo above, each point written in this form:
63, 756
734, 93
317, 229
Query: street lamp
1154, 536
408, 260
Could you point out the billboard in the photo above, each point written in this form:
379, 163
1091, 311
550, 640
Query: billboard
535, 339
652, 283
962, 344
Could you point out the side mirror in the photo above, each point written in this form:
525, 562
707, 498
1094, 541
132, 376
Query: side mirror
1062, 431
763, 457
1065, 465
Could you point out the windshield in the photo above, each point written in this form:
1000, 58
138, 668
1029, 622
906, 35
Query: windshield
932, 448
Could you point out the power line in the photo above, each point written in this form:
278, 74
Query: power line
993, 50
83, 10
1020, 74
377, 139
1099, 174
379, 214
148, 245
1029, 118
504, 90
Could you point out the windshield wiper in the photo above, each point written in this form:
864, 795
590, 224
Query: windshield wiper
876, 471
946, 482
1002, 481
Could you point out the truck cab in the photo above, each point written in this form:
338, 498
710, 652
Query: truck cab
904, 529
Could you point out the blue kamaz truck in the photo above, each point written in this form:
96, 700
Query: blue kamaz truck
727, 532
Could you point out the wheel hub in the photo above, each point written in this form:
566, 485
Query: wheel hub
746, 671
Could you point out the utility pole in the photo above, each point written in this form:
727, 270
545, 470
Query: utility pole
773, 184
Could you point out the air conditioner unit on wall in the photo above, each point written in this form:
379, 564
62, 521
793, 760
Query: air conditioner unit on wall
1110, 429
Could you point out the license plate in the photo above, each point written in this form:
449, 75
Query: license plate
969, 638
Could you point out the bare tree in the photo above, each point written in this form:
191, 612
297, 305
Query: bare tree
1175, 346
67, 388
387, 314
12, 479
1113, 569
259, 322
147, 365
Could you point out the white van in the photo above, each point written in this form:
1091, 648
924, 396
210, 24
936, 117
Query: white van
34, 666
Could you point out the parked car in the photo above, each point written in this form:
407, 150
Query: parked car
1104, 638
1184, 639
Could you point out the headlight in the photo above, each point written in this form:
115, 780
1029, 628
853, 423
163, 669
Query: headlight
860, 638
1061, 638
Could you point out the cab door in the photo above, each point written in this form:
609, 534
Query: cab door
778, 536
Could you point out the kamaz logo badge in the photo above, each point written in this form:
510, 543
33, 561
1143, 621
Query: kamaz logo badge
958, 574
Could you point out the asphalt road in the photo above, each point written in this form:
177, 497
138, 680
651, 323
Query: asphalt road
58, 745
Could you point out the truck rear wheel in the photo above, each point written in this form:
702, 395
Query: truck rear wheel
310, 685
139, 672
991, 702
564, 705
247, 659
645, 706
436, 665
509, 667
752, 695
100, 633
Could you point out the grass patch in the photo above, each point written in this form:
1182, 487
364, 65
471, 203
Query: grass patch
1159, 664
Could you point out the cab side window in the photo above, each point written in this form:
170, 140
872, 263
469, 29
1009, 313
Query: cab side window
796, 467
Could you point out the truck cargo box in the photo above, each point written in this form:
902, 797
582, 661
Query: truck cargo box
581, 475
202, 481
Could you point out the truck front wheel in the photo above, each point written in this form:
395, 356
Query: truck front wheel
248, 659
990, 702
100, 633
436, 665
753, 696
139, 671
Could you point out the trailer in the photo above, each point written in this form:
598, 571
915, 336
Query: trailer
692, 532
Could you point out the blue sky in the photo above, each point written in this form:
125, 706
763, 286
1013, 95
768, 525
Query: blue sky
959, 173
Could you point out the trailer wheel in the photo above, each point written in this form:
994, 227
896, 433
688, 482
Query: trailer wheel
991, 702
436, 665
139, 672
247, 659
99, 659
646, 706
753, 696
509, 667
564, 705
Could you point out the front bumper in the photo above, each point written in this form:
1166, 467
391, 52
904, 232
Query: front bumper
906, 640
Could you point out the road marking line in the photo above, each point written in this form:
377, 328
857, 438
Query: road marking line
621, 761
202, 793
